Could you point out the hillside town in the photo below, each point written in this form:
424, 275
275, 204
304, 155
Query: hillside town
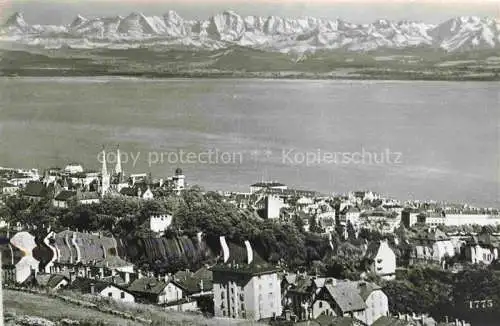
274, 254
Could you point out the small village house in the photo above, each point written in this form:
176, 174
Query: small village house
156, 290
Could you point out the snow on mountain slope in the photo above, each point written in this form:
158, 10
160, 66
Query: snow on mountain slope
16, 24
138, 25
467, 33
271, 33
97, 28
175, 26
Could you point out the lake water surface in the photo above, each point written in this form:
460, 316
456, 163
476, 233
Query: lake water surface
443, 138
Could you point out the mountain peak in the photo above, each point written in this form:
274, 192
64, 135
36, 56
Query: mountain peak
172, 16
79, 20
16, 20
273, 33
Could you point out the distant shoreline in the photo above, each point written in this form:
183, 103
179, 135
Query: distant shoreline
395, 76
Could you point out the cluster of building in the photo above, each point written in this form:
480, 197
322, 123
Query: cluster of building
74, 184
93, 263
241, 285
366, 210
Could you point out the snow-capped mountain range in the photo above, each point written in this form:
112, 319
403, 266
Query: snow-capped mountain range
272, 33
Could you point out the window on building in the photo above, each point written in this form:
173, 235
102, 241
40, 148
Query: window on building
224, 313
110, 294
122, 295
242, 307
320, 304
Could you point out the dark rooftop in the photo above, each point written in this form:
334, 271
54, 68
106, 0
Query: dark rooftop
65, 195
245, 269
148, 285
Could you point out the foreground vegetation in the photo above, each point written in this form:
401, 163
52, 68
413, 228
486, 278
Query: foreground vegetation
442, 293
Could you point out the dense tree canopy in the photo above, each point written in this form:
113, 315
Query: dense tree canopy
194, 211
443, 294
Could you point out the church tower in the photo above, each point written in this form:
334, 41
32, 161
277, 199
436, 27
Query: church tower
104, 175
118, 167
179, 180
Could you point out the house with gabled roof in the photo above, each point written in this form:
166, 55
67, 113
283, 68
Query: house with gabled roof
103, 289
157, 290
140, 190
431, 245
51, 281
199, 283
483, 247
112, 266
36, 191
88, 197
300, 293
363, 301
64, 198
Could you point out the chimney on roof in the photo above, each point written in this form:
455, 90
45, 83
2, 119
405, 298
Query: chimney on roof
457, 323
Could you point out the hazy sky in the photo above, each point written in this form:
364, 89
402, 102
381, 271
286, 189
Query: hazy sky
359, 11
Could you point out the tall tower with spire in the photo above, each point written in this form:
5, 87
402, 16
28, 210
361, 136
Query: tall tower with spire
105, 177
118, 167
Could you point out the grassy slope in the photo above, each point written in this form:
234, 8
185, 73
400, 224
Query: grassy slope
22, 303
